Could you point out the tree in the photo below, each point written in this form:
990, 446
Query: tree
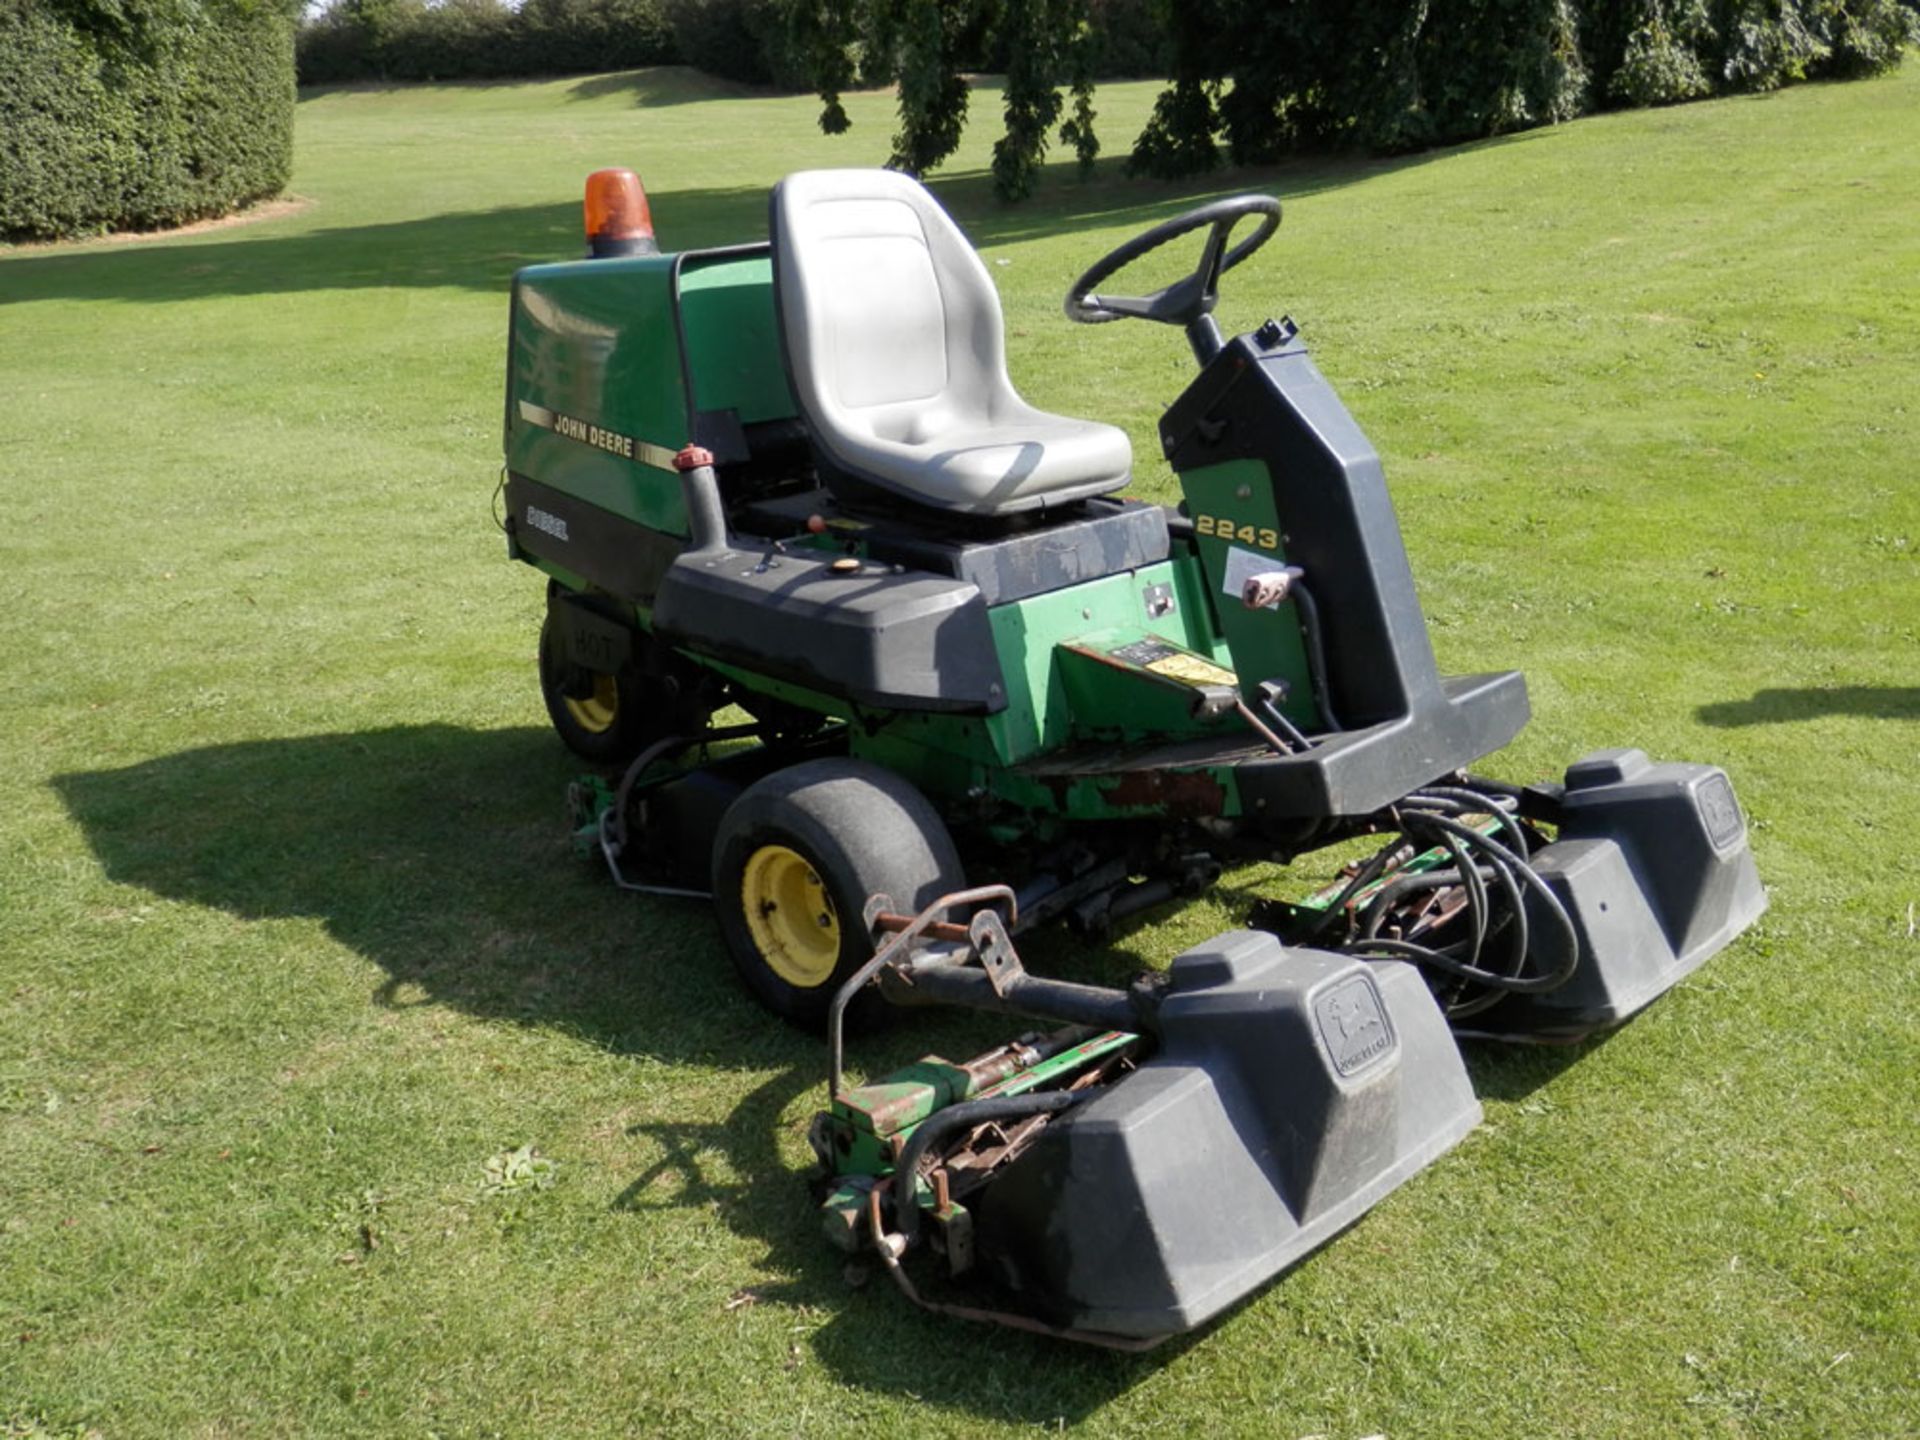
1046, 47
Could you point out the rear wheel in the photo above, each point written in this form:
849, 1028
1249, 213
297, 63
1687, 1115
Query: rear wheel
795, 860
598, 714
610, 716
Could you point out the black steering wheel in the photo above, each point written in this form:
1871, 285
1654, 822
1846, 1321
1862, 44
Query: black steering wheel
1186, 300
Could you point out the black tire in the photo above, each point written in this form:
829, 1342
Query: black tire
854, 830
610, 726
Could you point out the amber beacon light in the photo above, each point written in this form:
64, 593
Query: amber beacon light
618, 221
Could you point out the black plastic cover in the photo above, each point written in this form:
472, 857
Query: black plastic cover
1406, 724
1085, 542
1653, 867
1293, 1089
608, 551
869, 633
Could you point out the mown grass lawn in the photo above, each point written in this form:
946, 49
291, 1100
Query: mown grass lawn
292, 941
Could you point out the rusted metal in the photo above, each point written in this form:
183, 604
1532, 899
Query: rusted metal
997, 956
893, 924
900, 944
884, 1245
1182, 794
1023, 1054
1260, 727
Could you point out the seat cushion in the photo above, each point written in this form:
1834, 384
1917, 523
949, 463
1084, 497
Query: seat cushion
980, 466
894, 343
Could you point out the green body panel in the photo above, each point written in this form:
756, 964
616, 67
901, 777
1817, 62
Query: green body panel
1040, 714
1066, 693
868, 1118
557, 572
594, 341
733, 336
1131, 687
1233, 510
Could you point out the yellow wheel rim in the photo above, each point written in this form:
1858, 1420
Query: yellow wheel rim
598, 711
790, 916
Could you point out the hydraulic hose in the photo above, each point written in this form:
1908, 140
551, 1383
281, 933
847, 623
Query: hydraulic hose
1512, 873
1501, 889
943, 1123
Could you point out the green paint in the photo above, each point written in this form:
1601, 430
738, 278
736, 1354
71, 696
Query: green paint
592, 339
1237, 496
548, 567
1133, 687
1040, 715
733, 336
867, 1121
1058, 1067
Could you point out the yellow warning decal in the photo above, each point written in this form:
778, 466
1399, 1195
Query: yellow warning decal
1190, 670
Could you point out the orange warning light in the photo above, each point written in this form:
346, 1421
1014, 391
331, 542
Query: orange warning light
618, 220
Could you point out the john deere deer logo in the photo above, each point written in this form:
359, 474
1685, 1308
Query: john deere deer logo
1353, 1024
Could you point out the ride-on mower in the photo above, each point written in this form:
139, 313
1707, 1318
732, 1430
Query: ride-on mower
793, 479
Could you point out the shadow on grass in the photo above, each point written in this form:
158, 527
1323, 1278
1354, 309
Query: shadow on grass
480, 249
1513, 1072
1774, 707
440, 854
875, 1338
659, 85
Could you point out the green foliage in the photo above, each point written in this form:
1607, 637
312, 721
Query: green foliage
139, 114
821, 34
1178, 138
522, 1169
746, 40
1389, 76
1044, 40
482, 39
1661, 61
925, 45
1130, 38
1048, 49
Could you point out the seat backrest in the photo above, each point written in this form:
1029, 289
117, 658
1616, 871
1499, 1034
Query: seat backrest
891, 323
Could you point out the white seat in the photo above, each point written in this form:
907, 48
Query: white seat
894, 346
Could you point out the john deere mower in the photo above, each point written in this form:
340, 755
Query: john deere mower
789, 486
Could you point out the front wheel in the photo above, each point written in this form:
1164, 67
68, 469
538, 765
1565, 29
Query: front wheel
795, 860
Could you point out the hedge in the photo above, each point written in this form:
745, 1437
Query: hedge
354, 40
1387, 75
140, 114
745, 40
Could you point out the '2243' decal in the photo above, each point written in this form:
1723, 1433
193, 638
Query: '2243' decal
1223, 528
